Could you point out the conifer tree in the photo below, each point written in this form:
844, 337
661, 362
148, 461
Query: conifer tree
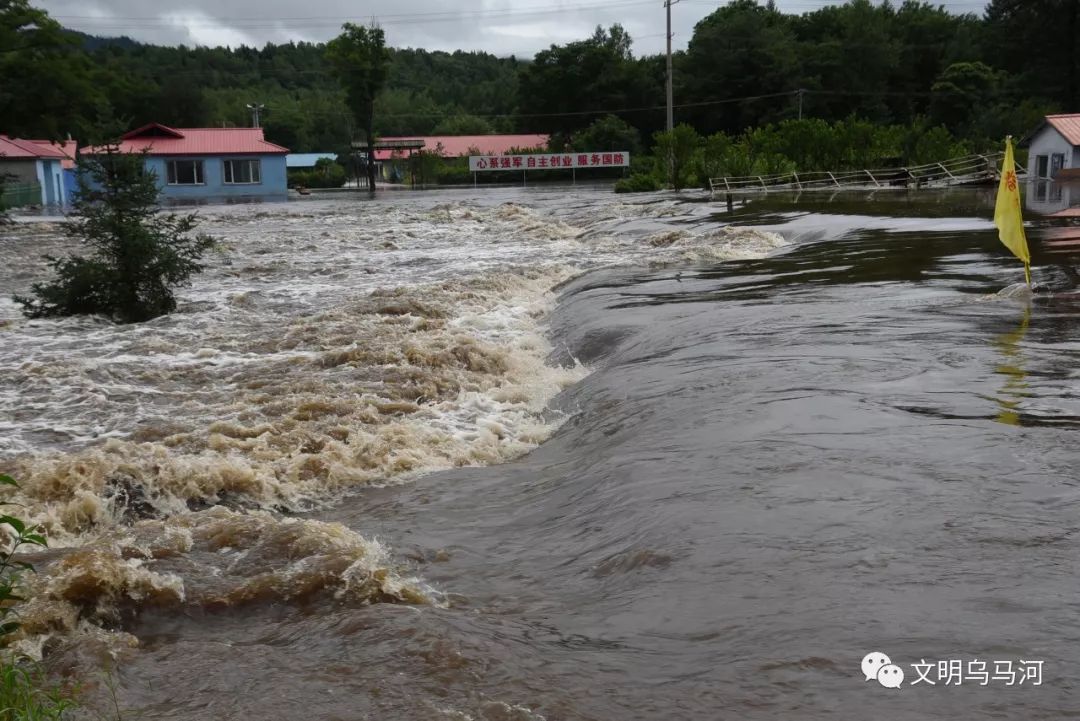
138, 254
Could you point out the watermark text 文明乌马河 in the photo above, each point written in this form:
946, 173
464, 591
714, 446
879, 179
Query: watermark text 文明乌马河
951, 672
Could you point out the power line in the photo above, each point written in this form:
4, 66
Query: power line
647, 108
575, 113
811, 6
441, 16
601, 111
391, 16
264, 22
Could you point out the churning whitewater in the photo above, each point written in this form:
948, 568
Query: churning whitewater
329, 346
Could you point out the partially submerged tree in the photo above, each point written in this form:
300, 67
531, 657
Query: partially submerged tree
139, 255
678, 146
360, 59
426, 165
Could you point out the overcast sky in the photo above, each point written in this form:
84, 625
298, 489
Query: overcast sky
502, 27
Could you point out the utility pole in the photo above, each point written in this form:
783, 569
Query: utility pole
670, 96
670, 92
255, 108
800, 91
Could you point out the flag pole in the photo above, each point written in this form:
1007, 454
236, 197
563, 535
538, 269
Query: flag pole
1027, 264
1008, 216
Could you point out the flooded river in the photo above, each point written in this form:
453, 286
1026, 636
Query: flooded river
553, 454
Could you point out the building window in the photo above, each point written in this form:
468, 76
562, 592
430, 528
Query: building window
1042, 166
242, 172
1040, 191
1057, 162
185, 172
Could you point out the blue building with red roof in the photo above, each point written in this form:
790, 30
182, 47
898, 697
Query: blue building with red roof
34, 172
210, 165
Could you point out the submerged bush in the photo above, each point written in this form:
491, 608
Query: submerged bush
327, 173
638, 183
139, 254
675, 151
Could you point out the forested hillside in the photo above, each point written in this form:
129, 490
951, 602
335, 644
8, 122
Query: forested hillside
747, 65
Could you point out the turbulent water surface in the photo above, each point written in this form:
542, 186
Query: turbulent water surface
553, 454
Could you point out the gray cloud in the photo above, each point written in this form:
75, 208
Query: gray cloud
502, 27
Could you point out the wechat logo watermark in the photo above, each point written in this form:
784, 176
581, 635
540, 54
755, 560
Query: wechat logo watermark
876, 665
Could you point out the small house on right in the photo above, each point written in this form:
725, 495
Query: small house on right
1053, 146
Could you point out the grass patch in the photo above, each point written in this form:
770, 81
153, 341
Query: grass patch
27, 694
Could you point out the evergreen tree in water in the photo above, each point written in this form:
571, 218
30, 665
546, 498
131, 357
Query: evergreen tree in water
138, 253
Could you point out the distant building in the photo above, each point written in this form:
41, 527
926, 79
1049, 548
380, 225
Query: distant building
69, 148
35, 172
454, 146
1053, 166
210, 165
306, 161
448, 146
1053, 146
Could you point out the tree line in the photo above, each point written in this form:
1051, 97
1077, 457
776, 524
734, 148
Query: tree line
747, 65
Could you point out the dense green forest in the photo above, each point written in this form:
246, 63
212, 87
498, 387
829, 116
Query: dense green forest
747, 65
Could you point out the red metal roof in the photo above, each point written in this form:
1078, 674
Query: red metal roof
456, 145
1067, 125
67, 147
18, 148
162, 140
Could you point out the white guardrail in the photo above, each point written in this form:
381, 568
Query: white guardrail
968, 169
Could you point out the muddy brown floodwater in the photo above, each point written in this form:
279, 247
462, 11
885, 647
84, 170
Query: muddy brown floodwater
558, 454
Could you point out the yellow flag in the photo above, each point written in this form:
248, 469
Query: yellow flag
1007, 216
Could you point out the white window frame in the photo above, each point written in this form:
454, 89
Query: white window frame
171, 174
229, 171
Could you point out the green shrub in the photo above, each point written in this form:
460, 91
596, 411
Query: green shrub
675, 151
454, 172
638, 183
11, 570
26, 694
326, 174
426, 165
138, 254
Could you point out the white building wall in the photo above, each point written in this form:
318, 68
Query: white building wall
1048, 142
55, 172
42, 180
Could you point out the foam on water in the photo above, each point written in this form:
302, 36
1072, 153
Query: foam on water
206, 560
327, 346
